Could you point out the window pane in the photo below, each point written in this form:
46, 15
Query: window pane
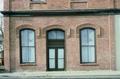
31, 54
88, 43
61, 53
28, 49
84, 37
51, 63
88, 54
85, 57
60, 63
51, 53
24, 37
52, 35
56, 34
91, 39
25, 54
31, 38
91, 54
60, 35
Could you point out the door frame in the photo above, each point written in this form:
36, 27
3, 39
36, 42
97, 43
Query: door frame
47, 51
56, 59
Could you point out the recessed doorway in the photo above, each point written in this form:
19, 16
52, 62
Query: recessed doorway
56, 50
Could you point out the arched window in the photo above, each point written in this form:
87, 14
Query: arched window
87, 45
27, 46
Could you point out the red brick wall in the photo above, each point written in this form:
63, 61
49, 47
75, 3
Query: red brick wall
61, 4
117, 3
104, 41
104, 38
6, 44
6, 5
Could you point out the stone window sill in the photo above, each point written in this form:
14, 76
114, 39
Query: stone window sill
40, 2
27, 64
89, 64
81, 1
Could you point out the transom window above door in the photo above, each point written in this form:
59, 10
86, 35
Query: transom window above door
56, 35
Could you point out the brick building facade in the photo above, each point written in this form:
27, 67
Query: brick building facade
69, 35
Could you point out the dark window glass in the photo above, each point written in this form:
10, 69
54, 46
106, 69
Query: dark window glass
87, 44
27, 46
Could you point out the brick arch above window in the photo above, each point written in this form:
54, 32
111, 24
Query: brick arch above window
97, 28
26, 26
65, 29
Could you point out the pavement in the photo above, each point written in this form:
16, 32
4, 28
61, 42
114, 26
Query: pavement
62, 75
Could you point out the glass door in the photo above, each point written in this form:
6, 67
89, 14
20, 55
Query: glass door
60, 59
51, 58
56, 59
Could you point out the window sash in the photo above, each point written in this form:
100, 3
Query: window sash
27, 38
87, 37
87, 45
88, 54
27, 46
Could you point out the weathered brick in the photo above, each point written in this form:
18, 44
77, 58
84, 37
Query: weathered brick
104, 40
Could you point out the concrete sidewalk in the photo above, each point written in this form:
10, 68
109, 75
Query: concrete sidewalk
62, 75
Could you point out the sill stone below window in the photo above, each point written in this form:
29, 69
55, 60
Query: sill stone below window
41, 2
27, 64
89, 64
82, 1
